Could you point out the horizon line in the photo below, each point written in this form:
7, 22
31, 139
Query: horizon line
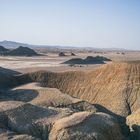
66, 46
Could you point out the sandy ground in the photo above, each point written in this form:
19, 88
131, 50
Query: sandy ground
52, 62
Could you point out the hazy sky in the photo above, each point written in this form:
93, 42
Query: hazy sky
86, 23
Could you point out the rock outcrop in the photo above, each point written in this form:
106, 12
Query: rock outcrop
133, 121
86, 126
22, 51
73, 54
7, 78
3, 51
9, 135
32, 120
62, 54
88, 60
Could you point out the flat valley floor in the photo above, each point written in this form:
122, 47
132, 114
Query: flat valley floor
53, 62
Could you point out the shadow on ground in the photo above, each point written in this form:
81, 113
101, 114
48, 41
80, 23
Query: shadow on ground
24, 95
121, 119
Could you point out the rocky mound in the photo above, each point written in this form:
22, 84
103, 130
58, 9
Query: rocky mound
8, 105
133, 121
9, 135
8, 72
3, 51
32, 120
102, 58
62, 54
52, 123
7, 78
73, 54
36, 123
88, 60
22, 51
86, 126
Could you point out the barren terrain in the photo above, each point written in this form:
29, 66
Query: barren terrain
52, 62
43, 99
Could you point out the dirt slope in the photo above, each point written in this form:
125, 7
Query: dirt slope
115, 86
49, 97
42, 96
111, 90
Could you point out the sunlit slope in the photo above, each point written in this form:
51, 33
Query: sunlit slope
115, 86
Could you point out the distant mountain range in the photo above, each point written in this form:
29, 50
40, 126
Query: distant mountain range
13, 44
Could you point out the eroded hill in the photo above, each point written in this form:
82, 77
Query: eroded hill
115, 86
71, 105
88, 60
22, 51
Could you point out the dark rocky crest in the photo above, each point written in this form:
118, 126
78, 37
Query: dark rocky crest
73, 54
22, 51
3, 51
88, 60
62, 54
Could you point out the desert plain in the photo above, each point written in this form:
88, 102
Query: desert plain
53, 62
50, 97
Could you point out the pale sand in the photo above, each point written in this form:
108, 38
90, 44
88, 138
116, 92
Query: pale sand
52, 62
